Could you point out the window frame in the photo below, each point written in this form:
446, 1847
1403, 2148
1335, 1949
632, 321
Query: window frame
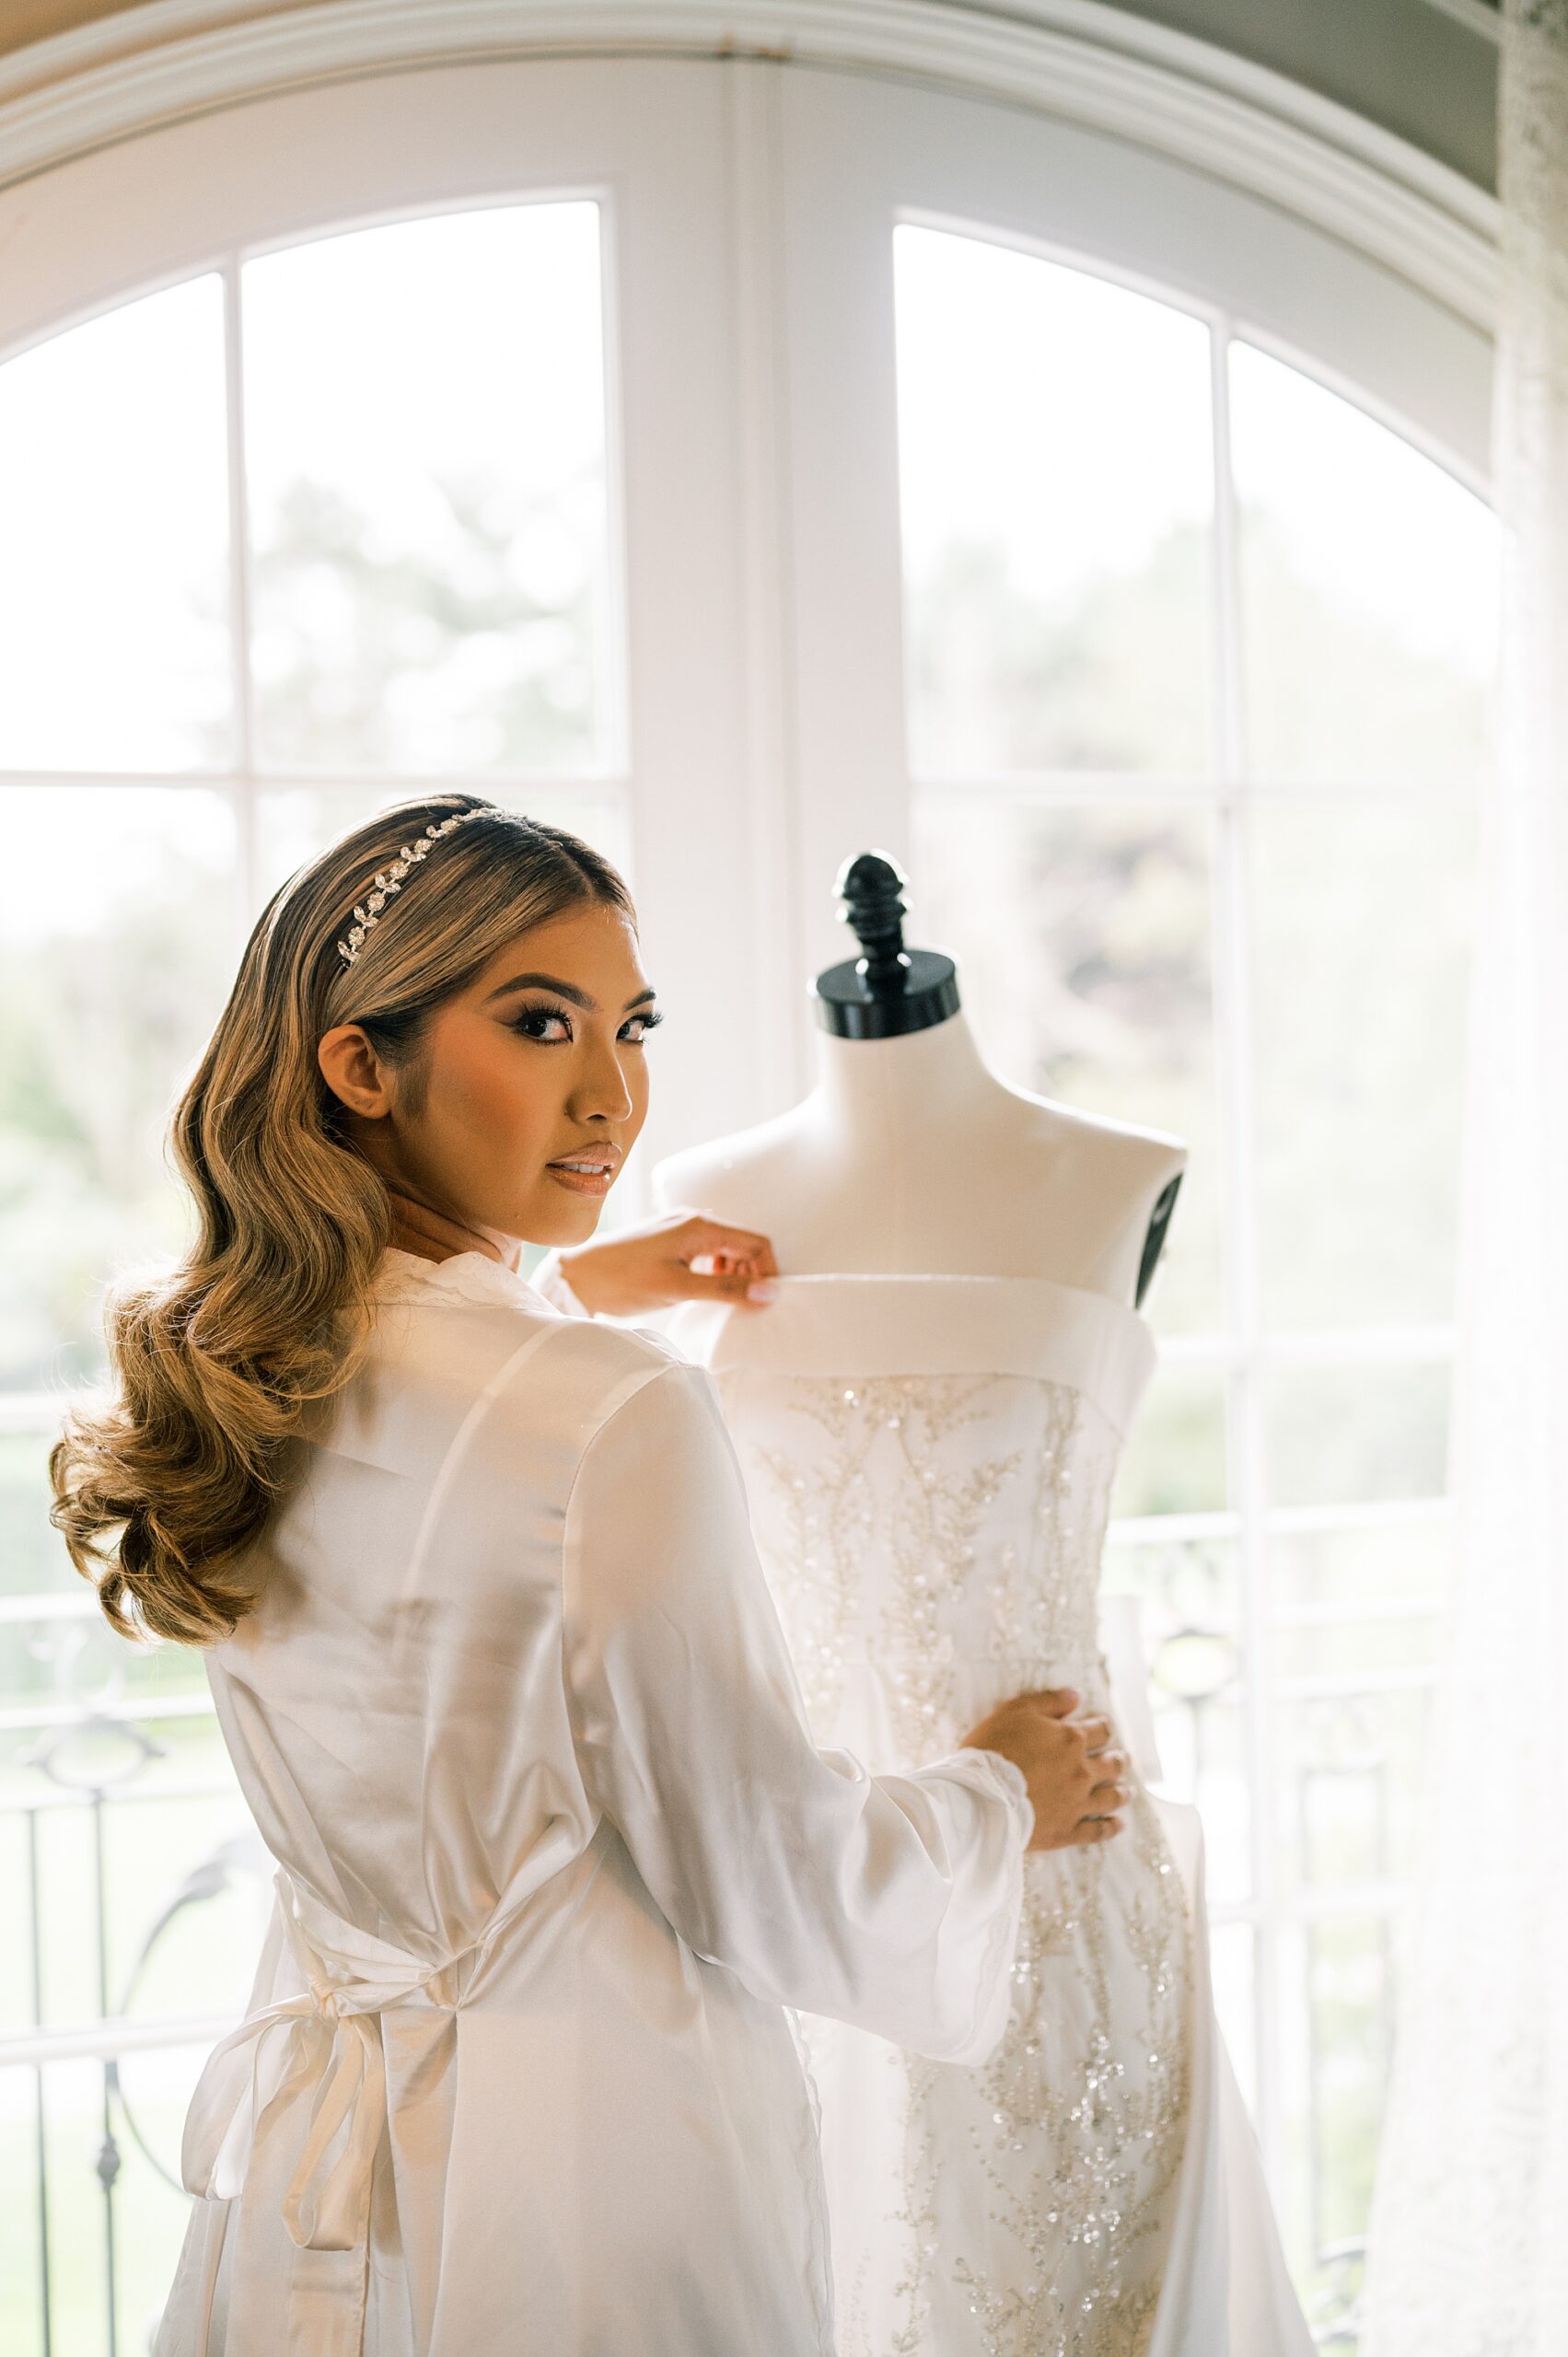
747, 209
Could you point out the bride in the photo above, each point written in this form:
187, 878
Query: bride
494, 1659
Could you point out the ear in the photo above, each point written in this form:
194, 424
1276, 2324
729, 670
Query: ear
355, 1073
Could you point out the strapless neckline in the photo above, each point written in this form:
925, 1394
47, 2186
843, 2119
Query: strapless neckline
938, 1279
849, 1324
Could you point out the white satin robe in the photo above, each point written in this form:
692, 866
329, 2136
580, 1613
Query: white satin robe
557, 1858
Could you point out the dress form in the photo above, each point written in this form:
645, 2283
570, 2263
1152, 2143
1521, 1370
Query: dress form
930, 1420
909, 1157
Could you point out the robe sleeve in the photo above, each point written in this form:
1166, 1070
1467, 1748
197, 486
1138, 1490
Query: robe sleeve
888, 1902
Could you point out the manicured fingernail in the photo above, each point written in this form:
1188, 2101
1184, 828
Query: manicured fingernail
763, 1290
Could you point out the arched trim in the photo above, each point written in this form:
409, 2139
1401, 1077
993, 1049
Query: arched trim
1079, 60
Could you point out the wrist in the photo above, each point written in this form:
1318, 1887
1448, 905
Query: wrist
575, 1269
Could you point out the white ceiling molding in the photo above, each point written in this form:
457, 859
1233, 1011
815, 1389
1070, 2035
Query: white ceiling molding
1087, 63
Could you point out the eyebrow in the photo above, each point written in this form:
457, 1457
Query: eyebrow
567, 989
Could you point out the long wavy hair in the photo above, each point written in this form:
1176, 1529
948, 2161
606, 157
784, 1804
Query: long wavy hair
162, 1490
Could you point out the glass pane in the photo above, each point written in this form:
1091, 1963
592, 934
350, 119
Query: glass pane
187, 1887
169, 1804
424, 421
1175, 1458
1352, 1770
1082, 939
78, 1662
1390, 1567
114, 648
149, 2214
32, 1554
21, 2300
1403, 1639
1369, 589
1336, 2021
115, 953
1363, 915
1341, 1435
1056, 466
15, 1949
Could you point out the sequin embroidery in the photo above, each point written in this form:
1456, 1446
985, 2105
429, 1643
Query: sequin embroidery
933, 1544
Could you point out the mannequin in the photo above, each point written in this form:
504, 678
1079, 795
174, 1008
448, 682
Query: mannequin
930, 1419
909, 1157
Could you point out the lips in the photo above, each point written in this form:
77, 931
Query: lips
590, 1172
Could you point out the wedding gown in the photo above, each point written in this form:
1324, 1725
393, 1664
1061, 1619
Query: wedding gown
557, 1857
929, 1462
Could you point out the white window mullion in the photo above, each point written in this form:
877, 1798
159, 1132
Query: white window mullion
766, 575
1233, 1014
839, 205
672, 367
248, 878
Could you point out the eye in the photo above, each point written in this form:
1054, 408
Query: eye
529, 1023
649, 1020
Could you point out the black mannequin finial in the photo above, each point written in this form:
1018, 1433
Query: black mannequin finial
888, 990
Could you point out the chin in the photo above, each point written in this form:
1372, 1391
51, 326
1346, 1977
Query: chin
566, 1223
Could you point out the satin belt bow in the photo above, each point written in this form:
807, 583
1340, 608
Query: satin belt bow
330, 2044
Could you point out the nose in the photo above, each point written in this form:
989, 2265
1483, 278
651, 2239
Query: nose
601, 1093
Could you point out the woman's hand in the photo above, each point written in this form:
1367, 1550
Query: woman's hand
1075, 1781
651, 1266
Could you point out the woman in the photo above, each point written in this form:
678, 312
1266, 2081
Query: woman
494, 1659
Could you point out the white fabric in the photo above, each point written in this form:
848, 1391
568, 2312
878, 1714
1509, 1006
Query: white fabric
557, 1854
929, 1460
1469, 2249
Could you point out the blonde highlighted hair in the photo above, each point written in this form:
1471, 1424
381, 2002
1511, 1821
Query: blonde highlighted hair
162, 1491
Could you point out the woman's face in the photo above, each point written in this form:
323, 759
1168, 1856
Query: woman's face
538, 1067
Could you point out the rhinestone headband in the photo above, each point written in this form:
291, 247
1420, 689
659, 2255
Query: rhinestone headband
388, 881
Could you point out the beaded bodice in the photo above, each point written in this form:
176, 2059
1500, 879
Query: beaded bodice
929, 1461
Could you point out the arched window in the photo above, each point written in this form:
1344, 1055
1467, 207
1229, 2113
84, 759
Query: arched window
747, 465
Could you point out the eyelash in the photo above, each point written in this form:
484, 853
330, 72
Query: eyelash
544, 1011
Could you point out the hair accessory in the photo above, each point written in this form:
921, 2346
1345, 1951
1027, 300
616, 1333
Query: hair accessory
388, 881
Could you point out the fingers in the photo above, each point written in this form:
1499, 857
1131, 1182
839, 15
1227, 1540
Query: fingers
691, 1284
1111, 1784
725, 1263
1096, 1735
707, 1238
1085, 1835
1057, 1701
